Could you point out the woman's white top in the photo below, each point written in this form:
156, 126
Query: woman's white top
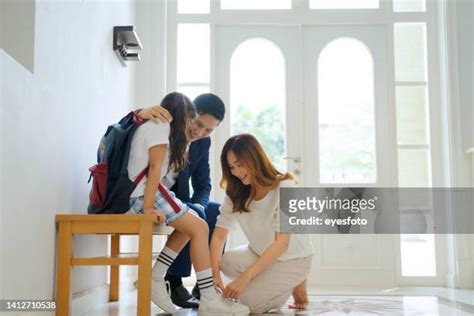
261, 223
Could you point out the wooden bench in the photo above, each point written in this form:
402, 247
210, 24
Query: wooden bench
115, 226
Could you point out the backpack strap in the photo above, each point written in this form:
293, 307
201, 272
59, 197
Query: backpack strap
162, 190
137, 118
169, 198
140, 176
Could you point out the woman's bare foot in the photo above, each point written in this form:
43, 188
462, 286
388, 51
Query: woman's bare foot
300, 296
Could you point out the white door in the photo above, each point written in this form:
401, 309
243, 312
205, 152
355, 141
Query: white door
339, 259
346, 104
282, 45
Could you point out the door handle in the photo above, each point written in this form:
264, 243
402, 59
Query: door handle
295, 159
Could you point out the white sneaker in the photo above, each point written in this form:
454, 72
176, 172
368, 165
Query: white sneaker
222, 306
161, 296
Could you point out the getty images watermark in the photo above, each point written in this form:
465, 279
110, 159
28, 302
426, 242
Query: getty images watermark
314, 204
376, 210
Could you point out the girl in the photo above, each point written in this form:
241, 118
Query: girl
162, 147
273, 265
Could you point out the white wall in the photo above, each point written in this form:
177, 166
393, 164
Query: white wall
465, 49
465, 28
151, 70
51, 123
472, 235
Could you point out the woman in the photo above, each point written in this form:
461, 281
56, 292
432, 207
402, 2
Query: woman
273, 265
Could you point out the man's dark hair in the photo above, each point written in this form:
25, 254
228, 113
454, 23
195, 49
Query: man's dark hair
209, 103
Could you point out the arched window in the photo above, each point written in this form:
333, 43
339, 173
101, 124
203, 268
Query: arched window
346, 113
257, 95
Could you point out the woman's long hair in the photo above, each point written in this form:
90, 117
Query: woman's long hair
251, 154
182, 110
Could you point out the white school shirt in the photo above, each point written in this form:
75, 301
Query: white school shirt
148, 134
170, 179
260, 224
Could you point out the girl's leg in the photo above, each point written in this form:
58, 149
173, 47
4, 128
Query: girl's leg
175, 242
198, 233
188, 227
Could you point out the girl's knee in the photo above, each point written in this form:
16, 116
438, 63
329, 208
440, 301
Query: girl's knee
192, 226
199, 229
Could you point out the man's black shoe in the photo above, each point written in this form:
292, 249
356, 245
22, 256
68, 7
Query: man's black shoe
195, 292
181, 297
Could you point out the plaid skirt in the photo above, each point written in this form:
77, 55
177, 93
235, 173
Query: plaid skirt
165, 202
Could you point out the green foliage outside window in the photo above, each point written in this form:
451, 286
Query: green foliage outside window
267, 124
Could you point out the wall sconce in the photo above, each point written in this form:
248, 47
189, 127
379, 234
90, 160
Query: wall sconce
125, 38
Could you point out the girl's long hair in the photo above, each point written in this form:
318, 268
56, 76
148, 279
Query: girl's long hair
251, 154
182, 110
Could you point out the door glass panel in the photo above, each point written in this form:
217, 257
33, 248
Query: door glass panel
418, 253
257, 95
410, 52
193, 91
194, 53
346, 113
411, 115
413, 168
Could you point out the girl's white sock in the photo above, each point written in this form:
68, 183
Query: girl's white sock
206, 284
162, 263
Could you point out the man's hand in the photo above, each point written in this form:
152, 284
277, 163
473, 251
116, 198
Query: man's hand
160, 217
156, 114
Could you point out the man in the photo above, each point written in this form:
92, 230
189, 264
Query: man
211, 111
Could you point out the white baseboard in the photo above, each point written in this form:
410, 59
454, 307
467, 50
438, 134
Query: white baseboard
89, 299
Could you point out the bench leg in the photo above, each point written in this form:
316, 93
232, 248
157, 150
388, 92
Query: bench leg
63, 281
144, 269
114, 270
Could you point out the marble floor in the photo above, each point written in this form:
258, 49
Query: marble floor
339, 301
